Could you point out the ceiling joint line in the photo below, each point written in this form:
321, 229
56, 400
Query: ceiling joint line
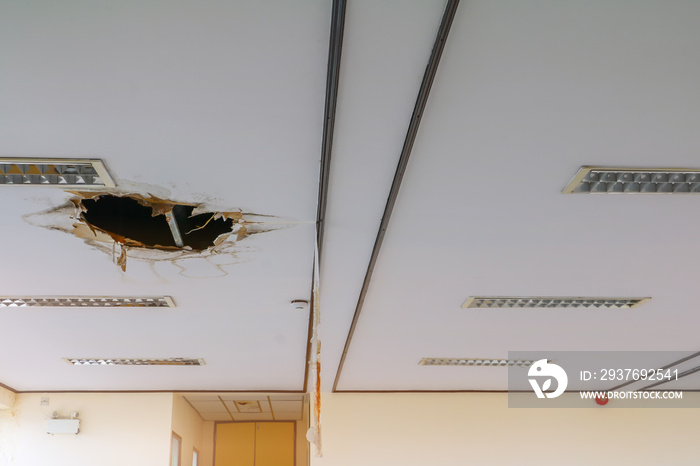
230, 414
192, 406
667, 366
679, 376
335, 47
416, 117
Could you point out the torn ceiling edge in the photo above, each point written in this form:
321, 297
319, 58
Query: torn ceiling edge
118, 217
210, 233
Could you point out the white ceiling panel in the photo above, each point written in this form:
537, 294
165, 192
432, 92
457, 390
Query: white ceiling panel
252, 417
215, 416
288, 416
220, 104
526, 93
180, 102
209, 406
376, 96
231, 397
289, 397
286, 406
198, 398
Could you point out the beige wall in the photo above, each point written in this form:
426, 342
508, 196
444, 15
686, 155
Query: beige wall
188, 424
115, 430
366, 429
480, 429
207, 453
302, 446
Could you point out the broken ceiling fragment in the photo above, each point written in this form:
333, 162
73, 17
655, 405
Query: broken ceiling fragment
151, 228
155, 223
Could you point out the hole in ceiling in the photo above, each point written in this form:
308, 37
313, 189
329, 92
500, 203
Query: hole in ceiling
154, 223
156, 229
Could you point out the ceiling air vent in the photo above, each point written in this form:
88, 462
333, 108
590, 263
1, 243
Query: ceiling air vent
135, 362
86, 301
550, 302
590, 179
474, 362
64, 173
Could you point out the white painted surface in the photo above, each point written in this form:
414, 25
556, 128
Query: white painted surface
7, 398
385, 51
222, 103
116, 429
525, 94
8, 427
458, 429
199, 103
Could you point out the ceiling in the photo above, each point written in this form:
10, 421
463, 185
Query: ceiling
221, 104
248, 406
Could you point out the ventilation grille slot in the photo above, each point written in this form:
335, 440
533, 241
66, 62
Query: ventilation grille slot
635, 180
550, 302
87, 301
475, 362
135, 362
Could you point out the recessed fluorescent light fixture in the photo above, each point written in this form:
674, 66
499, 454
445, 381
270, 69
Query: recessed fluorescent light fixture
484, 302
475, 362
592, 179
86, 301
135, 362
63, 173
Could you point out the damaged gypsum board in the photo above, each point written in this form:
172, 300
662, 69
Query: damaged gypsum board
140, 222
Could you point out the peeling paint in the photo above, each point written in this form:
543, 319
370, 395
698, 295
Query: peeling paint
213, 235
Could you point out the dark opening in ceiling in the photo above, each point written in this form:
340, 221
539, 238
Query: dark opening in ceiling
130, 220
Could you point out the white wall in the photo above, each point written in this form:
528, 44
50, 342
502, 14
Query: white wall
7, 398
8, 427
480, 429
116, 430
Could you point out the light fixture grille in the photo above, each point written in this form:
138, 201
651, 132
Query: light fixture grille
86, 301
64, 173
550, 302
591, 179
135, 362
475, 362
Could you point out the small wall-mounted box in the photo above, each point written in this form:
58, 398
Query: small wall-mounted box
62, 426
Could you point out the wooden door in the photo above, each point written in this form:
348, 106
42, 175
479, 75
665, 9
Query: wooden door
274, 444
254, 444
235, 444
